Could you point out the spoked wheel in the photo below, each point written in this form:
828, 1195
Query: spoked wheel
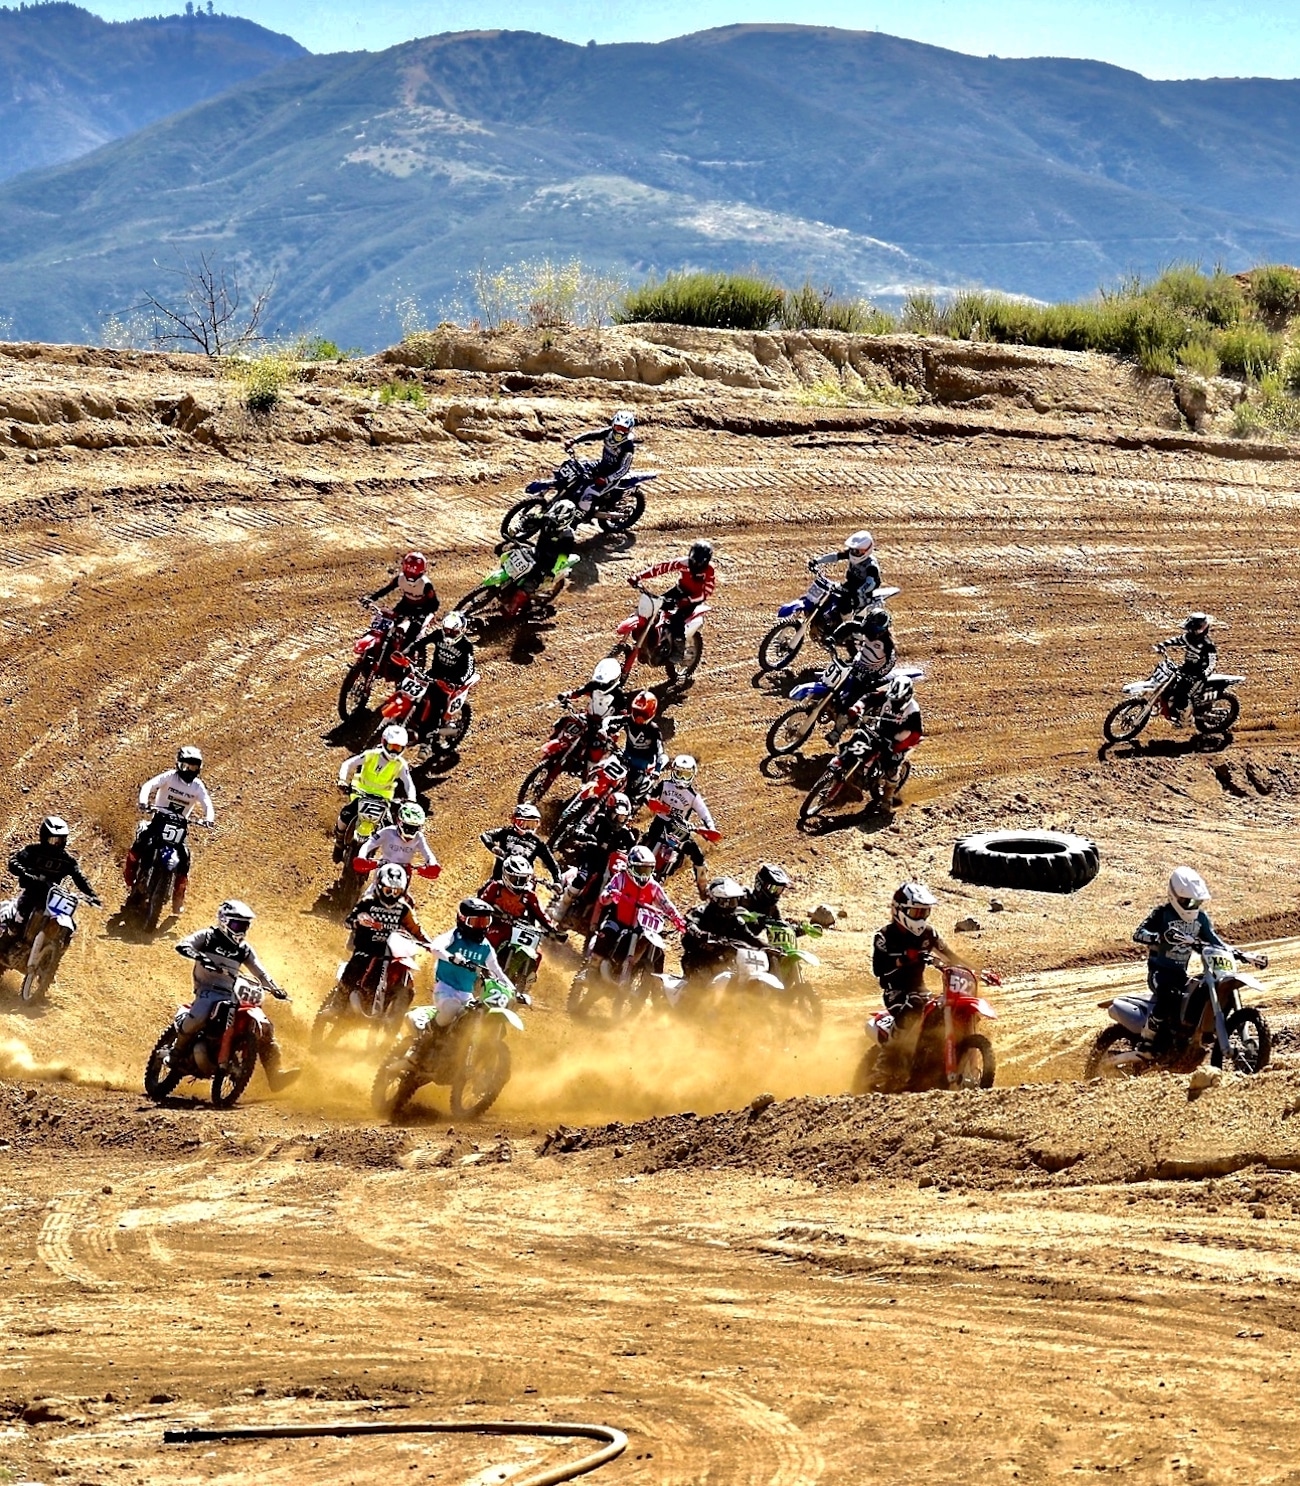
1250, 1043
828, 791
40, 972
425, 750
598, 1001
537, 783
354, 693
159, 891
477, 601
1124, 722
1216, 715
329, 1021
781, 644
791, 730
624, 513
1112, 1055
482, 1070
395, 1085
159, 1080
523, 518
976, 1064
229, 1083
691, 659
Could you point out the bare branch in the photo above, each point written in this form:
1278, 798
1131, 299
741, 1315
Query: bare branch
205, 314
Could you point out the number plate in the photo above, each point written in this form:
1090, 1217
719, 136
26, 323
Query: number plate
1218, 963
173, 834
58, 902
526, 936
380, 624
373, 809
248, 995
820, 588
647, 918
568, 472
518, 561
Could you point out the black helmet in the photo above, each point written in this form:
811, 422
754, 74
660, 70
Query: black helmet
54, 828
876, 623
700, 556
474, 918
771, 881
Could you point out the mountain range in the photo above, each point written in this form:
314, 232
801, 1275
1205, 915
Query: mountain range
853, 157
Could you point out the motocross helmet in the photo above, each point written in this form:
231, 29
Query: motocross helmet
454, 624
54, 829
474, 918
561, 514
414, 565
607, 675
860, 546
684, 768
621, 806
1188, 893
1195, 625
725, 890
644, 706
876, 624
621, 425
901, 691
911, 907
393, 744
410, 820
189, 761
517, 875
390, 881
699, 557
641, 864
234, 919
526, 817
770, 881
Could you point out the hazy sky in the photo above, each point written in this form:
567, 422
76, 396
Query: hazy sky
1162, 38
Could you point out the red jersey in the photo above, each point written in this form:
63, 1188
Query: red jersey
696, 586
508, 908
625, 895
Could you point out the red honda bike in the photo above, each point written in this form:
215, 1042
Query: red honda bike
949, 1053
376, 654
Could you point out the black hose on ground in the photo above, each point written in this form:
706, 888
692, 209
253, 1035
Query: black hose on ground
614, 1441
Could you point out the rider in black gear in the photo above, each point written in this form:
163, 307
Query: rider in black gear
43, 865
861, 577
618, 449
715, 928
448, 653
871, 636
763, 901
1200, 655
521, 839
554, 538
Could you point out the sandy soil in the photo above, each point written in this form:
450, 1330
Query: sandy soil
1048, 1279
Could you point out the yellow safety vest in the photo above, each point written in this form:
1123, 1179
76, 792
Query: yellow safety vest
377, 774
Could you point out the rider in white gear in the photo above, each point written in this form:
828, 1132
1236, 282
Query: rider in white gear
182, 792
677, 791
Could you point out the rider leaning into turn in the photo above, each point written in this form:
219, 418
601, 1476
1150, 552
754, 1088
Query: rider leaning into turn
861, 577
555, 537
44, 864
715, 928
901, 950
900, 730
417, 601
386, 909
1171, 931
696, 580
182, 792
221, 954
677, 791
618, 450
605, 699
872, 640
521, 839
1200, 655
446, 653
378, 773
463, 955
402, 843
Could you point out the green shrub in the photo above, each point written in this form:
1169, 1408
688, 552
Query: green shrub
541, 293
1271, 409
1291, 371
317, 348
921, 315
1201, 358
724, 301
1275, 291
1216, 299
261, 379
408, 392
1248, 350
810, 308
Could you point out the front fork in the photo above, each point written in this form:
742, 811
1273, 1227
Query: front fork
949, 1046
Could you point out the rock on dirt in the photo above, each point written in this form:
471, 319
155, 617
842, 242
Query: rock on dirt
967, 926
824, 916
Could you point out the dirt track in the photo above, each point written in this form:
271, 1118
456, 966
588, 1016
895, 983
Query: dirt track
163, 584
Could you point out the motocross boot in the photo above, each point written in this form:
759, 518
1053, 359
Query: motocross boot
888, 796
278, 1079
179, 888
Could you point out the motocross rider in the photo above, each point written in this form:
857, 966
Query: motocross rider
872, 639
220, 954
385, 909
618, 449
609, 837
762, 903
181, 791
1171, 931
606, 700
715, 928
402, 843
513, 899
555, 538
631, 888
417, 601
900, 730
463, 954
683, 800
1200, 655
861, 578
643, 744
521, 839
898, 959
39, 867
378, 773
696, 580
446, 655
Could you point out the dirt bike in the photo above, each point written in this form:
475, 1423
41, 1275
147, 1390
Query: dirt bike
576, 893
857, 765
225, 1048
381, 1006
803, 1004
375, 652
37, 947
644, 636
575, 820
817, 705
616, 508
155, 874
472, 1056
1212, 1019
500, 589
624, 978
372, 814
817, 613
435, 713
566, 751
948, 1052
677, 832
520, 952
1213, 707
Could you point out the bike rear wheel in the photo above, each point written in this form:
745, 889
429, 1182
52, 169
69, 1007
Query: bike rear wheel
523, 518
1112, 1043
781, 644
1217, 714
1125, 721
229, 1083
482, 1071
159, 1080
624, 512
791, 730
354, 693
864, 1075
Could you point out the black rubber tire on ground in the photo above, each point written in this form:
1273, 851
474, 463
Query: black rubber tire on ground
354, 692
977, 1043
828, 791
158, 894
482, 1071
803, 1012
625, 515
1110, 1039
328, 1022
394, 1087
516, 523
1126, 720
229, 1083
864, 1075
1218, 716
537, 783
792, 729
1250, 1042
781, 644
476, 600
158, 1085
452, 741
38, 980
1033, 861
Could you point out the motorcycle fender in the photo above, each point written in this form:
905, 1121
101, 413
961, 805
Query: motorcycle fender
556, 745
1131, 1012
810, 691
366, 643
807, 956
535, 487
511, 1016
724, 978
1137, 689
629, 626
1241, 982
343, 965
696, 624
985, 1010
788, 611
673, 985
171, 859
766, 978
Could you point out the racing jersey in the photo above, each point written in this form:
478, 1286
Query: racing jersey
682, 799
625, 895
169, 791
374, 773
389, 845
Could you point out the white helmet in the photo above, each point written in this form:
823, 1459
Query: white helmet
911, 907
901, 691
860, 545
607, 675
622, 424
561, 513
725, 890
685, 768
453, 624
1187, 893
234, 918
411, 819
390, 881
393, 743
